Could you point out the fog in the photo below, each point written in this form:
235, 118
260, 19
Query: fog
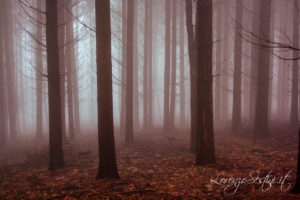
178, 69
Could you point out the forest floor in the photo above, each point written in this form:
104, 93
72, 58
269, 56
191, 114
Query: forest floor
156, 166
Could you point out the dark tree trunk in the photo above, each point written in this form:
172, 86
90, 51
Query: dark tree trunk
296, 188
62, 63
262, 95
123, 70
237, 76
193, 71
106, 144
167, 67
55, 123
70, 60
182, 82
129, 74
174, 59
205, 151
294, 119
146, 63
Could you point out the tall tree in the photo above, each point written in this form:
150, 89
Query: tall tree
174, 60
167, 66
205, 151
136, 115
55, 123
10, 68
261, 125
193, 71
129, 74
2, 81
146, 65
70, 63
150, 91
62, 64
123, 70
39, 82
107, 156
237, 76
294, 118
182, 82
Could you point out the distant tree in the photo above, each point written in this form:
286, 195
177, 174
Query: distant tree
146, 67
182, 66
174, 61
55, 122
39, 82
136, 118
107, 156
2, 81
129, 74
205, 150
167, 67
150, 91
237, 77
294, 118
123, 70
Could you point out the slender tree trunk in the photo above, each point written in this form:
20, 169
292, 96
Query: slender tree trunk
106, 144
205, 152
193, 72
2, 82
237, 79
129, 74
123, 70
62, 63
146, 63
182, 82
136, 70
262, 97
174, 59
294, 119
70, 59
219, 61
150, 91
39, 83
167, 67
55, 123
10, 69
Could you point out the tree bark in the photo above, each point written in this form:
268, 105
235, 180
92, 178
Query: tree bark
182, 82
205, 151
237, 76
136, 115
106, 144
129, 74
55, 123
167, 67
174, 59
150, 91
262, 95
146, 63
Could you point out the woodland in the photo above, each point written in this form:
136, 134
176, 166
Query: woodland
149, 99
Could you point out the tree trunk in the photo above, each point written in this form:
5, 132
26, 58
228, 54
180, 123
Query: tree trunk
146, 63
262, 96
70, 59
62, 63
106, 144
237, 77
193, 71
136, 115
205, 151
294, 119
167, 67
55, 123
129, 74
296, 188
123, 70
10, 69
150, 91
173, 73
182, 82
